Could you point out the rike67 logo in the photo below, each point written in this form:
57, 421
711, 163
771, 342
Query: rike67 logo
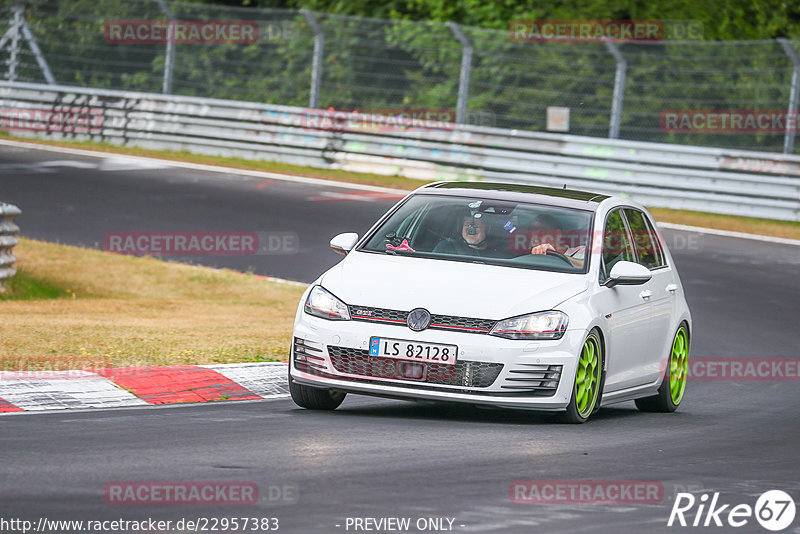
774, 510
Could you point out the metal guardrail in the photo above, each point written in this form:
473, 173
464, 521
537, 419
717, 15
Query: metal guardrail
756, 184
8, 238
501, 77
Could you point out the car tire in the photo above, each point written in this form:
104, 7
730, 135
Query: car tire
589, 379
315, 398
673, 386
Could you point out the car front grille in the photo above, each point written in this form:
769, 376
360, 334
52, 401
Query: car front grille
464, 373
438, 322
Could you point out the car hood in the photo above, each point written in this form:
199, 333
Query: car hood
448, 287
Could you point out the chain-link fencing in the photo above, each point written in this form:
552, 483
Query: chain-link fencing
625, 90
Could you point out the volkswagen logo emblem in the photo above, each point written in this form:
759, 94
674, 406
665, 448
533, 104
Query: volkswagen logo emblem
418, 319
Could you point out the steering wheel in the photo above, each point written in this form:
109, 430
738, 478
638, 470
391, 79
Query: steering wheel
551, 252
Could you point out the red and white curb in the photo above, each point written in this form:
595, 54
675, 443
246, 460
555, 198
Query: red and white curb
139, 386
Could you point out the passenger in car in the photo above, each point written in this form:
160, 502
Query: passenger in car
547, 223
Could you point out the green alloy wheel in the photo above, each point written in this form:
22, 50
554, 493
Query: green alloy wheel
673, 386
588, 381
678, 366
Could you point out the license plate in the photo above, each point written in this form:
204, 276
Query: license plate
400, 349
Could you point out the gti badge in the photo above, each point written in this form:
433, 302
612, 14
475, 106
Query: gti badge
418, 319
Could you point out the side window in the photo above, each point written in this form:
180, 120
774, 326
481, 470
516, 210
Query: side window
644, 240
616, 245
662, 259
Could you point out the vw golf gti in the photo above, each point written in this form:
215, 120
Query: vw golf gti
498, 294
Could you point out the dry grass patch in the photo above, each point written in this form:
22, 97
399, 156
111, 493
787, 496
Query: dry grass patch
106, 310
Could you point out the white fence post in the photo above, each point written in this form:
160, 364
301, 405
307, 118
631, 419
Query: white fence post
619, 90
463, 78
791, 124
169, 58
319, 51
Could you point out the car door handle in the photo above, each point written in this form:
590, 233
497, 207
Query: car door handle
646, 294
672, 288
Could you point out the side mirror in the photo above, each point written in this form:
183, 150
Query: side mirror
344, 243
628, 273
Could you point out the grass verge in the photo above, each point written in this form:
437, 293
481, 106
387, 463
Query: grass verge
748, 225
74, 308
733, 223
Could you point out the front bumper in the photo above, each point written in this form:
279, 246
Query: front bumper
491, 371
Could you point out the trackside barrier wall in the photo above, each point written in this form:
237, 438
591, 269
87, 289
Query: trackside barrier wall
756, 184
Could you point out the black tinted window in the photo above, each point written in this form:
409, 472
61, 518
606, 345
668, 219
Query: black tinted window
616, 245
644, 239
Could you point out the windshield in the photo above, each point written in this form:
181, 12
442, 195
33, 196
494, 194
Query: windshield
531, 236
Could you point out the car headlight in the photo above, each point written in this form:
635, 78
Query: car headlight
542, 325
321, 303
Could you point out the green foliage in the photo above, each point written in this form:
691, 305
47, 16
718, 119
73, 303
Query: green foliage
393, 61
728, 20
23, 286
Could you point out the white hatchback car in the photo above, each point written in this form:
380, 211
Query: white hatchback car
498, 294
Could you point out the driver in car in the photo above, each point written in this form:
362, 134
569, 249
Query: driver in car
474, 240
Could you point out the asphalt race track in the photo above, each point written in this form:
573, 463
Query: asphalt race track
381, 458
